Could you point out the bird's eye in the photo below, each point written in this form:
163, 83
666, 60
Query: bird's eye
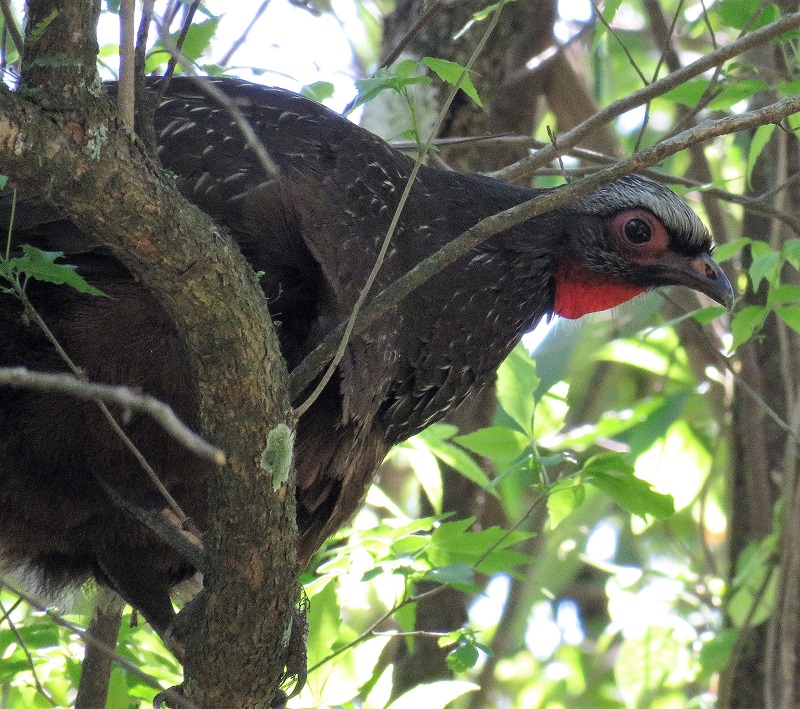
637, 231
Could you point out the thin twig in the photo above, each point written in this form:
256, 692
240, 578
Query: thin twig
10, 24
6, 614
423, 149
243, 37
187, 23
130, 667
526, 167
253, 142
625, 49
428, 14
127, 60
129, 444
124, 397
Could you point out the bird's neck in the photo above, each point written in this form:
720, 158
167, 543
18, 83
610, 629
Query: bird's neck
580, 291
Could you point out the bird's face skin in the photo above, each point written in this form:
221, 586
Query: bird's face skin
638, 252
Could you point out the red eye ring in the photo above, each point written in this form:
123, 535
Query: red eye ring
638, 235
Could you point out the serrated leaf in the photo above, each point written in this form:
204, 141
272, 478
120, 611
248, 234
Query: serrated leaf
765, 267
410, 545
198, 38
791, 252
41, 265
387, 79
455, 457
760, 139
611, 474
455, 75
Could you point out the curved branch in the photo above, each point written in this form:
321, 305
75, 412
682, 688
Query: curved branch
526, 167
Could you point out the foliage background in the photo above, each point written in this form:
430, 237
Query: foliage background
610, 537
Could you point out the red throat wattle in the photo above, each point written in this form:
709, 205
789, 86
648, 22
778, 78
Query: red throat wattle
580, 291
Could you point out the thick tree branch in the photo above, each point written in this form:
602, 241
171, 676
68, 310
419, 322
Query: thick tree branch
79, 158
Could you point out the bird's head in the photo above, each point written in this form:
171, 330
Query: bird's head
627, 237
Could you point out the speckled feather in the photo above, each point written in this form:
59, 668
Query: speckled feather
314, 230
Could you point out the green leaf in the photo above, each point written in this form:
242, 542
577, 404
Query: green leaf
664, 357
463, 658
611, 474
766, 267
610, 10
754, 601
453, 456
733, 93
318, 91
387, 79
41, 265
324, 617
495, 442
562, 500
757, 145
790, 314
644, 664
459, 573
455, 75
198, 38
783, 294
787, 89
746, 322
769, 14
791, 252
689, 92
551, 411
706, 315
453, 543
723, 252
716, 653
737, 13
516, 382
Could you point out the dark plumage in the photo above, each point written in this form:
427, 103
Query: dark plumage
314, 233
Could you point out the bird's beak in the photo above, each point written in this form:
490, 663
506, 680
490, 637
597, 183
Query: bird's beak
700, 272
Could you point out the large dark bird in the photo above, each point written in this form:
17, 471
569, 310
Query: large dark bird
314, 233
